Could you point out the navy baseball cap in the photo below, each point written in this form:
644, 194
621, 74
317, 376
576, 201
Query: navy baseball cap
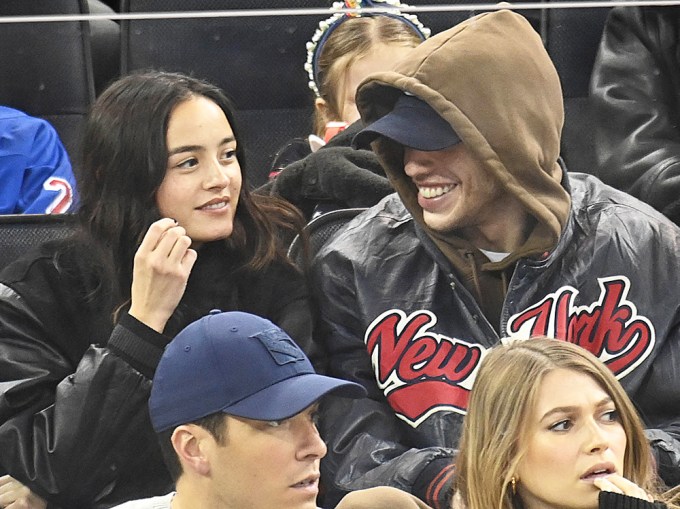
412, 123
239, 364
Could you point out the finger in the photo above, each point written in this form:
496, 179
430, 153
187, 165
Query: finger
175, 237
155, 233
9, 496
178, 249
19, 504
627, 486
22, 498
605, 485
9, 487
7, 482
32, 501
189, 259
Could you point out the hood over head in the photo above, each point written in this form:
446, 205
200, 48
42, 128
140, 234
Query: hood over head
491, 79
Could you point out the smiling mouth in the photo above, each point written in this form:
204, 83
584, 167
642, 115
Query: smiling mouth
435, 192
214, 206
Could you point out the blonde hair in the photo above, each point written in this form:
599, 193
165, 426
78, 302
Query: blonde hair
504, 394
349, 42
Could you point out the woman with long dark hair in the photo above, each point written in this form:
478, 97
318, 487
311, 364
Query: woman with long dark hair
168, 232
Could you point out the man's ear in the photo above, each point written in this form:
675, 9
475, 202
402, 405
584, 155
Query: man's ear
189, 442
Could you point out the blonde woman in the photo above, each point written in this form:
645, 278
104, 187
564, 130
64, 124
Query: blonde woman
549, 426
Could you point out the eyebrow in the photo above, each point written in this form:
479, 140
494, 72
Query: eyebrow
194, 148
568, 409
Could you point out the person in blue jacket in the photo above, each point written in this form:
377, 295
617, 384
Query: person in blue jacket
35, 170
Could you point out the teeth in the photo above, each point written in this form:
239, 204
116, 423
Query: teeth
598, 473
433, 192
215, 205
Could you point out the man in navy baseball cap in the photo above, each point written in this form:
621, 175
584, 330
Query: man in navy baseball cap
412, 123
234, 402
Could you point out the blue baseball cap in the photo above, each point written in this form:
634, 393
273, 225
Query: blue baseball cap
412, 123
239, 364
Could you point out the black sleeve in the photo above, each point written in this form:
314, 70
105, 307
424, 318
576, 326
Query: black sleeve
280, 293
610, 500
367, 444
341, 175
634, 94
79, 434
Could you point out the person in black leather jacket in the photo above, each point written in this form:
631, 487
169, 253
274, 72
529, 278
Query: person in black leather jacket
487, 236
169, 231
635, 91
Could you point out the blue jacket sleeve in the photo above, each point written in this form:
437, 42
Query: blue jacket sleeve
35, 169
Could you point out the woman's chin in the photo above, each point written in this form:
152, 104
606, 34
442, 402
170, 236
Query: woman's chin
201, 238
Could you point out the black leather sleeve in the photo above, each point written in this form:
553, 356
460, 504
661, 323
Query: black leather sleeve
71, 432
635, 90
367, 444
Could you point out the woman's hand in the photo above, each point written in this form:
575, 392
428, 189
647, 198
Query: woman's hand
619, 484
161, 270
14, 495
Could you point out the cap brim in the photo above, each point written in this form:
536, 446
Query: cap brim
412, 123
291, 396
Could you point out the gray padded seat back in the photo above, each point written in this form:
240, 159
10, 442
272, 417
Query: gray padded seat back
45, 68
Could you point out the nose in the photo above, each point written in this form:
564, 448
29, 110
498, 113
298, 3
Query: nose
597, 439
217, 175
415, 162
311, 444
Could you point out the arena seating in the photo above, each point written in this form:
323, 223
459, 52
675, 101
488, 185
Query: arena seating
46, 68
572, 37
19, 233
257, 60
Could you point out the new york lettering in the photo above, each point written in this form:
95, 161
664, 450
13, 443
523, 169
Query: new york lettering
420, 372
610, 328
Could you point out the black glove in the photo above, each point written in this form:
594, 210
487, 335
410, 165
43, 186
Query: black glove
340, 175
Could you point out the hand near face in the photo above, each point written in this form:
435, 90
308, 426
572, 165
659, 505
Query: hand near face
14, 495
161, 270
619, 484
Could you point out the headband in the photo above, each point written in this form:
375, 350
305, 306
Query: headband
326, 28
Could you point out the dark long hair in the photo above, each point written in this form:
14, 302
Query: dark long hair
124, 162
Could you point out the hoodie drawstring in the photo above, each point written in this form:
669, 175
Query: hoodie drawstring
475, 277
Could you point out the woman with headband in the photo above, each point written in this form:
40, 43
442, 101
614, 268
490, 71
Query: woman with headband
344, 50
349, 46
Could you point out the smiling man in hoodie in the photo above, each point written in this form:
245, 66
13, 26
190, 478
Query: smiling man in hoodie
487, 237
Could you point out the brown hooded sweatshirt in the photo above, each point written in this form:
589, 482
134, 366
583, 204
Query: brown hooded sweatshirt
510, 120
